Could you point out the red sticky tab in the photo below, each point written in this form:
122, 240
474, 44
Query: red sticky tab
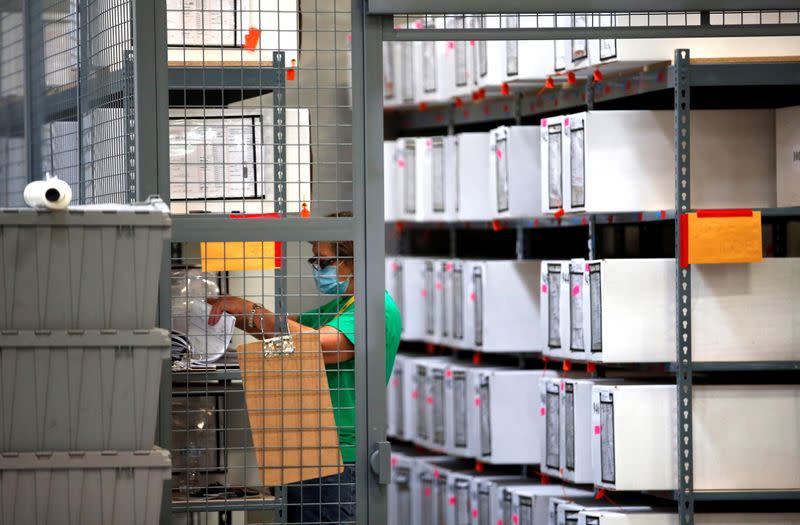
549, 84
482, 93
571, 78
544, 479
504, 89
423, 106
559, 213
662, 76
399, 227
583, 221
497, 225
566, 121
458, 102
542, 411
452, 501
597, 76
429, 348
684, 229
479, 467
544, 122
476, 358
601, 493
641, 216
429, 143
663, 215
290, 75
597, 430
254, 216
566, 366
535, 223
251, 39
475, 95
304, 211
591, 368
349, 38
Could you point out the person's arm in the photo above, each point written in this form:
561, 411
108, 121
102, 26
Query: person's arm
336, 348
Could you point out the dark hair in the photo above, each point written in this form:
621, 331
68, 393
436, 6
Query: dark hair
343, 248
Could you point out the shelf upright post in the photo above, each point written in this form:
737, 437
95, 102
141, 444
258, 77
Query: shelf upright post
279, 168
33, 41
683, 291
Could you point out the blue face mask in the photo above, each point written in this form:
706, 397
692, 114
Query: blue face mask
328, 281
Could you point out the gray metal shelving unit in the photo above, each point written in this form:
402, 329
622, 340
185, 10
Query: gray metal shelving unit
674, 80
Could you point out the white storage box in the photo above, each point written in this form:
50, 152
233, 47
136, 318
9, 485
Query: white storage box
395, 400
461, 62
550, 416
745, 437
740, 312
660, 517
473, 180
221, 160
391, 189
434, 83
504, 297
80, 390
508, 403
428, 384
787, 155
564, 511
514, 166
407, 288
436, 186
216, 31
403, 494
625, 160
484, 507
109, 487
554, 308
390, 86
434, 297
488, 57
552, 148
406, 173
530, 504
406, 401
456, 309
528, 61
439, 491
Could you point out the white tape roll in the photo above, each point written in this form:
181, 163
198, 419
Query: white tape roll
51, 193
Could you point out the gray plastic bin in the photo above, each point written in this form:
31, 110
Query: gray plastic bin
83, 488
77, 268
80, 390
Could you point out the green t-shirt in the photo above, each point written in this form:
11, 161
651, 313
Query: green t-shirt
341, 376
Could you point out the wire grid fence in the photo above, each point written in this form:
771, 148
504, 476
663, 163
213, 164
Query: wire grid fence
248, 423
260, 126
78, 97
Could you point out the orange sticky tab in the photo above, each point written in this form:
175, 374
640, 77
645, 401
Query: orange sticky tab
497, 225
239, 256
571, 78
251, 39
722, 237
504, 89
549, 84
559, 213
597, 76
291, 75
423, 106
591, 368
304, 211
566, 366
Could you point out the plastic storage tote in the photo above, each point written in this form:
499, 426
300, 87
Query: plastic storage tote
80, 390
82, 268
83, 488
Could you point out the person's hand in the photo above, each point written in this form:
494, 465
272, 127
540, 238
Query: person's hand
235, 306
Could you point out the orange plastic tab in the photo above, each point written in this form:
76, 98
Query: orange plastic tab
566, 366
423, 106
597, 76
591, 368
544, 479
559, 213
239, 256
458, 102
571, 78
497, 225
479, 467
601, 493
291, 75
251, 39
721, 237
304, 211
549, 84
504, 89
476, 358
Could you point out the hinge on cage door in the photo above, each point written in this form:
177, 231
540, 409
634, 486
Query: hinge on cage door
380, 462
278, 346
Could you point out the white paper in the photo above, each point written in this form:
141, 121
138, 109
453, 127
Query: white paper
206, 23
212, 158
208, 341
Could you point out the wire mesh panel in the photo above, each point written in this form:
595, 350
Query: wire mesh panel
70, 74
263, 405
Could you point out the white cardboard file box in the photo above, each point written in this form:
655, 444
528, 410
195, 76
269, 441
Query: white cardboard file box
787, 155
456, 306
221, 160
391, 200
624, 161
439, 492
564, 511
460, 61
427, 386
473, 178
436, 179
214, 32
740, 312
409, 287
504, 297
488, 57
434, 297
406, 174
550, 416
660, 517
745, 437
507, 406
402, 496
514, 166
528, 61
396, 400
554, 308
552, 180
530, 504
483, 493
430, 56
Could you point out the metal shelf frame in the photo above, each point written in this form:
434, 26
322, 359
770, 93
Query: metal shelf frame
680, 77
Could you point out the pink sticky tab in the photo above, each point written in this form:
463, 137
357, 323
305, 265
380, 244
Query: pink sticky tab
423, 292
418, 24
448, 373
542, 411
414, 394
515, 519
500, 521
566, 121
477, 401
452, 501
544, 288
401, 163
427, 492
499, 153
429, 143
349, 38
395, 381
451, 45
472, 297
439, 285
475, 513
586, 268
576, 290
597, 430
436, 473
394, 461
429, 400
448, 267
562, 386
395, 266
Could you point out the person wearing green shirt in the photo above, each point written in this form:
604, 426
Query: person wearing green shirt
329, 499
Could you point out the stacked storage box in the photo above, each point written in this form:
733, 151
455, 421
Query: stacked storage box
80, 364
